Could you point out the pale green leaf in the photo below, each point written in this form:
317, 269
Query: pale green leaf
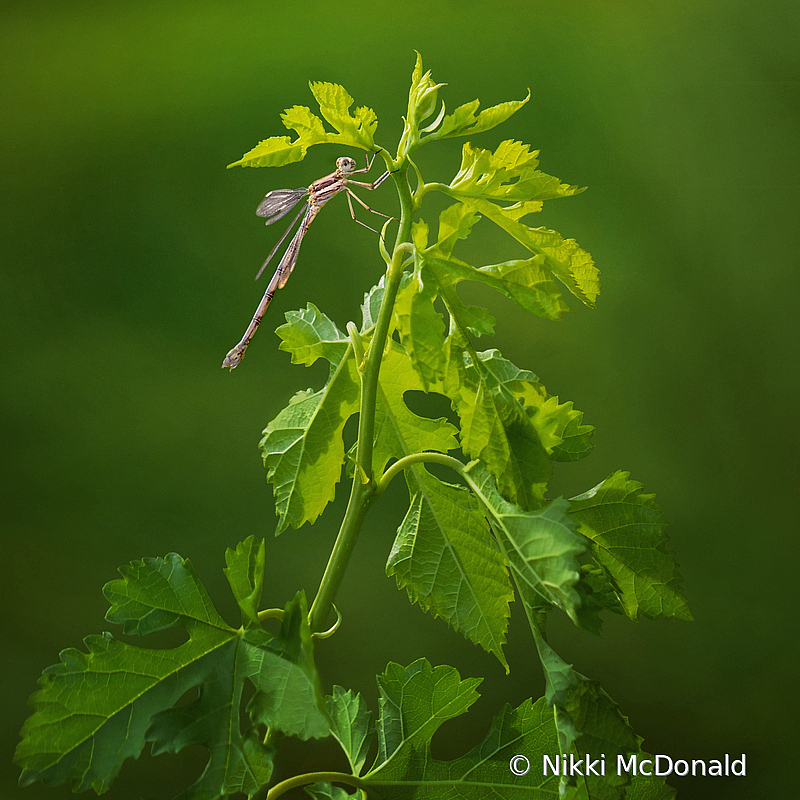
334, 102
463, 122
307, 125
569, 263
277, 151
510, 173
541, 547
446, 559
309, 334
626, 532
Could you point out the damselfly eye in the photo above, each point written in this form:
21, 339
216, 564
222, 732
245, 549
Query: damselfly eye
345, 164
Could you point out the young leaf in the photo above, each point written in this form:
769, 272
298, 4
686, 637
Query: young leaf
352, 130
302, 447
463, 122
541, 547
447, 561
334, 103
507, 174
245, 574
277, 151
625, 529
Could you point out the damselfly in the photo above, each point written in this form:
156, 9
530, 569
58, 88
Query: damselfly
280, 202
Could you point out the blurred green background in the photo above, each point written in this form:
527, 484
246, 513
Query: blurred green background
128, 257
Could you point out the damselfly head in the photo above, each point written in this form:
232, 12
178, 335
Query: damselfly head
345, 165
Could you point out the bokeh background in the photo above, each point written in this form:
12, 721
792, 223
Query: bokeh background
128, 257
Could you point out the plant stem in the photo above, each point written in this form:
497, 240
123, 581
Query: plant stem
363, 491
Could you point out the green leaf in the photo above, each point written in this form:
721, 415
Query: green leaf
288, 692
421, 329
327, 791
353, 129
446, 559
309, 334
563, 258
415, 701
421, 101
588, 722
351, 725
96, 709
302, 447
398, 430
626, 532
463, 122
510, 173
541, 547
529, 283
277, 151
245, 574
496, 428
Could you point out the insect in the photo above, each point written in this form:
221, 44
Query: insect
280, 202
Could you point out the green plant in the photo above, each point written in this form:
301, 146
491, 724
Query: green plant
461, 551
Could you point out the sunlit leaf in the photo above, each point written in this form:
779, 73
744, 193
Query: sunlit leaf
510, 173
334, 103
277, 151
463, 122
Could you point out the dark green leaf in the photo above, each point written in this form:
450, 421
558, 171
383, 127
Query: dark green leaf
96, 709
415, 701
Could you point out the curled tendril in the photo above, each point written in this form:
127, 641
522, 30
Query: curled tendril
331, 630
